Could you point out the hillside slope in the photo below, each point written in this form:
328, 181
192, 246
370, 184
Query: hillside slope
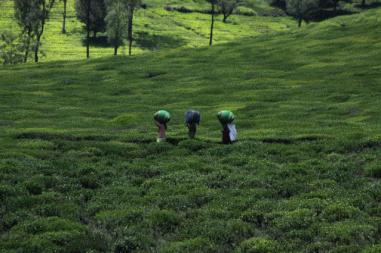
80, 171
155, 29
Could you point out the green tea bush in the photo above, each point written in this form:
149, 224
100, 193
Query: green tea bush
193, 145
157, 148
340, 211
49, 235
258, 245
34, 186
195, 245
348, 232
120, 217
297, 219
6, 191
76, 178
256, 217
372, 249
164, 221
226, 234
373, 170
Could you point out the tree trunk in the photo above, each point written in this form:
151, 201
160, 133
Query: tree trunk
64, 18
36, 49
115, 50
27, 45
300, 22
225, 18
212, 26
38, 39
95, 34
88, 29
130, 26
363, 3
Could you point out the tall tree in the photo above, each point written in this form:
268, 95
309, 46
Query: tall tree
116, 23
302, 10
213, 4
41, 10
26, 17
64, 16
132, 6
227, 7
97, 14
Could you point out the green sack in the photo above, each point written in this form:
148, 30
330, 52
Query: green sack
225, 117
162, 116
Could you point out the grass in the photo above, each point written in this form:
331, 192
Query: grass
155, 28
80, 170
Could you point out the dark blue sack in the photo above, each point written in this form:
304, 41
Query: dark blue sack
192, 117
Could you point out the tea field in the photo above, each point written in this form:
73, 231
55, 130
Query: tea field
155, 29
80, 170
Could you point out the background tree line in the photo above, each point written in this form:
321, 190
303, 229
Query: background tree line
115, 18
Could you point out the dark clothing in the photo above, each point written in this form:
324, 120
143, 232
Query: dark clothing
192, 130
192, 117
225, 135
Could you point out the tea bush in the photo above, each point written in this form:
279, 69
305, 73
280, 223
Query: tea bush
76, 175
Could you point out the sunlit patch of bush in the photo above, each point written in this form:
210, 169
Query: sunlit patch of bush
258, 245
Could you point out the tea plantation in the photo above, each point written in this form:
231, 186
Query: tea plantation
155, 28
80, 170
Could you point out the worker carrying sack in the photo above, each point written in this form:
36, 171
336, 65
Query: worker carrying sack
225, 117
192, 117
162, 116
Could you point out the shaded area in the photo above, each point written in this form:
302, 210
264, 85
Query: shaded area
100, 41
152, 41
324, 14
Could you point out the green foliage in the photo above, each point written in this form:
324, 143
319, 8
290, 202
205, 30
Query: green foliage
373, 170
195, 245
116, 23
164, 221
258, 245
11, 48
340, 211
49, 235
155, 29
372, 249
348, 232
97, 14
227, 7
302, 10
80, 170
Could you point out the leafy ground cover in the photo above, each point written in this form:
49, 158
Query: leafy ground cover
155, 28
80, 171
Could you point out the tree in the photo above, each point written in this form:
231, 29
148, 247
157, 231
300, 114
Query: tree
302, 10
26, 16
227, 7
64, 16
213, 4
42, 10
116, 23
93, 11
83, 11
11, 48
334, 4
132, 6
